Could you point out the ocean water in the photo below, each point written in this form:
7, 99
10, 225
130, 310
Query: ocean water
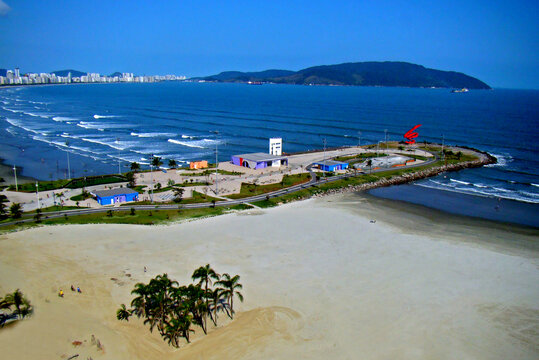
102, 126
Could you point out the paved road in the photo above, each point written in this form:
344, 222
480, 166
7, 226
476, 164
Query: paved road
311, 183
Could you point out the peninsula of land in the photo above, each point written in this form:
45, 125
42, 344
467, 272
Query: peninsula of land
372, 73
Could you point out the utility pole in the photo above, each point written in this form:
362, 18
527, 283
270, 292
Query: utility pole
443, 139
68, 167
216, 163
15, 172
151, 181
37, 195
118, 142
324, 162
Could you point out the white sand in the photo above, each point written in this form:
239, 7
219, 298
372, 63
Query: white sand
320, 282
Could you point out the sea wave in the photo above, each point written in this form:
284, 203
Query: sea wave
41, 115
184, 143
485, 191
461, 182
88, 125
63, 118
111, 144
502, 160
104, 116
12, 110
150, 135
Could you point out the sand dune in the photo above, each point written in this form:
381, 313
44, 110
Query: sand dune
320, 281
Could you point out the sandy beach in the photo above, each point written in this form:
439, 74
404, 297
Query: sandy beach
321, 280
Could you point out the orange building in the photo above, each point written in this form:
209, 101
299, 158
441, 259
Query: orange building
198, 164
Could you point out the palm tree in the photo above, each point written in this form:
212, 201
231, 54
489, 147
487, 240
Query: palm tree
230, 284
178, 193
172, 163
15, 210
135, 166
22, 305
369, 164
156, 161
217, 303
122, 313
205, 274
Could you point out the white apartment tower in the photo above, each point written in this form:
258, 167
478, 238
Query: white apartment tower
276, 146
17, 73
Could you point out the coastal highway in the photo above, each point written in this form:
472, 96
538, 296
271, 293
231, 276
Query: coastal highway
28, 217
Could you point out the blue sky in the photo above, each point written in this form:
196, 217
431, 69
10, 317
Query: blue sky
495, 41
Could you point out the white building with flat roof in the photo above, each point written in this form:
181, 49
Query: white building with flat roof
276, 146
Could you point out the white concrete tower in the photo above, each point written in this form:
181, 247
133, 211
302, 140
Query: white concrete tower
276, 146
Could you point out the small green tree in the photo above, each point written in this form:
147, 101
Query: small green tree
170, 182
37, 216
132, 213
130, 177
158, 186
15, 210
109, 213
178, 193
156, 161
135, 166
172, 164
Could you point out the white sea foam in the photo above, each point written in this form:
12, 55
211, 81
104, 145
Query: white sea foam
150, 135
485, 191
183, 143
12, 110
536, 185
187, 137
503, 160
461, 182
104, 116
112, 144
41, 115
63, 118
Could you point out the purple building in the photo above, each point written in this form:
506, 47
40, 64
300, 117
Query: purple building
259, 160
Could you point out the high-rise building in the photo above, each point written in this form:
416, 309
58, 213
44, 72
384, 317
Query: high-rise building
17, 73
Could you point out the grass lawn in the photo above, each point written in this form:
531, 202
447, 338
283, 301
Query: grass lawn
70, 184
248, 190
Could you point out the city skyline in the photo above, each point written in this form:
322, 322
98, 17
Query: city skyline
493, 41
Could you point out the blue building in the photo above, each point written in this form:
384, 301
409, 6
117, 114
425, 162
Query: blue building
331, 165
115, 196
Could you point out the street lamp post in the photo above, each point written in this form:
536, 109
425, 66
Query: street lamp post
15, 172
68, 167
37, 195
324, 162
151, 182
216, 163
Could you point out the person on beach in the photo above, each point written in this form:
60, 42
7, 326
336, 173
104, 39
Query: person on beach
61, 293
72, 288
78, 290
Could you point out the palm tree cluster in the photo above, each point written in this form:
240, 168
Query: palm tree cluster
14, 306
173, 309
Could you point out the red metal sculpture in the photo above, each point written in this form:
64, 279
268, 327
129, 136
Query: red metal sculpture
411, 135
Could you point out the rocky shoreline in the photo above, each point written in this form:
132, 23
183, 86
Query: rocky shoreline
484, 159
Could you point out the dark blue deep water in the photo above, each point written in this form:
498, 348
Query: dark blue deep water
101, 123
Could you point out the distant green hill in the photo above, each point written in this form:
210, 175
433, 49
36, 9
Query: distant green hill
74, 73
371, 73
119, 74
